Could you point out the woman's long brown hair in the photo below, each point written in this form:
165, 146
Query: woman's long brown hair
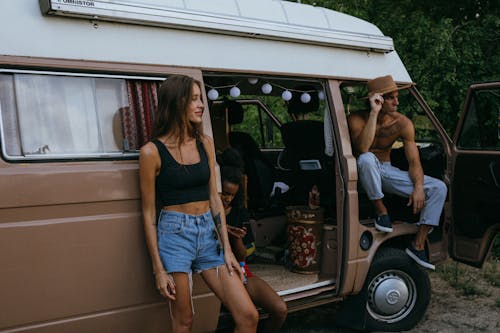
174, 96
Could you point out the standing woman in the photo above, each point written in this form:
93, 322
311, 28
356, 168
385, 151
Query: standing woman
177, 169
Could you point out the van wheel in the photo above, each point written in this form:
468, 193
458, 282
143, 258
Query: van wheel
396, 293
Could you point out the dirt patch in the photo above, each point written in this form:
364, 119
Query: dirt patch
463, 300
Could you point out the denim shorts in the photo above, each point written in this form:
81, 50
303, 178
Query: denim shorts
188, 242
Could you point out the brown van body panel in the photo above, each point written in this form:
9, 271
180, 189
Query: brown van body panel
348, 163
473, 230
72, 237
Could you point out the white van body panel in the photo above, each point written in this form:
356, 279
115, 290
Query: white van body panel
29, 33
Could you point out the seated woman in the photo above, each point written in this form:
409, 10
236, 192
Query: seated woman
260, 292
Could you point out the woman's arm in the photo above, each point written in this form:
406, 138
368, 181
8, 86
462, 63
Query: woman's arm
149, 164
217, 210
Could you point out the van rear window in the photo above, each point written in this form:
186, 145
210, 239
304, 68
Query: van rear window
50, 116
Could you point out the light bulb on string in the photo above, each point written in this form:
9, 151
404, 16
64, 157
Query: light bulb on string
253, 80
321, 95
266, 88
286, 95
235, 92
305, 98
213, 94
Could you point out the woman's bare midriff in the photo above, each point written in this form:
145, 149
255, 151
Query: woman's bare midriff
190, 208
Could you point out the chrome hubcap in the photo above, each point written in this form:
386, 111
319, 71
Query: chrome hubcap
391, 296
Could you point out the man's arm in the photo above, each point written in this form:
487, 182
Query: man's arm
363, 131
415, 171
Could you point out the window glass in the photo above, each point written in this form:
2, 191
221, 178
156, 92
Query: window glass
48, 116
481, 127
10, 132
260, 126
266, 111
57, 114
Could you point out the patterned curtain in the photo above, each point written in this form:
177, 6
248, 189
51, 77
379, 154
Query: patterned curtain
138, 117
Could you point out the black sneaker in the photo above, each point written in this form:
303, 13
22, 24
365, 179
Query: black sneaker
419, 256
383, 223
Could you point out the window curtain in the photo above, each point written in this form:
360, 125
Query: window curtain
57, 115
138, 117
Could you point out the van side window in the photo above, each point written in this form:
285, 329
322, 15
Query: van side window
481, 128
47, 116
258, 124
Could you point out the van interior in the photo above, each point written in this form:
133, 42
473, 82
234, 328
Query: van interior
291, 142
289, 139
277, 126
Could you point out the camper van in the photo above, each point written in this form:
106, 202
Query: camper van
78, 92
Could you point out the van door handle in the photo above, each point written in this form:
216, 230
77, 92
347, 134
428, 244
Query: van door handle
492, 171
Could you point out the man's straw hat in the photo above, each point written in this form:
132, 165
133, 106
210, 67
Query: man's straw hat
383, 85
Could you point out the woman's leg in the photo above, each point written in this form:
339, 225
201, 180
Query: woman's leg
264, 296
181, 310
230, 290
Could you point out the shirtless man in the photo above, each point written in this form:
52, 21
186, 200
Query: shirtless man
373, 134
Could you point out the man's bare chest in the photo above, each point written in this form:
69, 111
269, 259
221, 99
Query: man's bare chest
390, 130
385, 135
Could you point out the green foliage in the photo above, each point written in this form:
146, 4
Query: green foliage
496, 248
462, 278
491, 272
262, 129
445, 45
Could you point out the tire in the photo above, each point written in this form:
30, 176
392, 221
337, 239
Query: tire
394, 298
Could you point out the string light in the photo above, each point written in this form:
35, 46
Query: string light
286, 95
213, 94
235, 92
266, 88
305, 98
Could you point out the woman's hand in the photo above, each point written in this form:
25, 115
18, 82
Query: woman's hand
232, 264
165, 284
236, 232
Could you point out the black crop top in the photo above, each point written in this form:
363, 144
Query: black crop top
182, 183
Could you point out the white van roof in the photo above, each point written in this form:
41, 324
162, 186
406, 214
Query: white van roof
233, 35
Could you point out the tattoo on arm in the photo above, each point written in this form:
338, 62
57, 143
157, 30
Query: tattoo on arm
218, 225
217, 220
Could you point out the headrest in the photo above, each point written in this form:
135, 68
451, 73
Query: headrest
234, 112
297, 107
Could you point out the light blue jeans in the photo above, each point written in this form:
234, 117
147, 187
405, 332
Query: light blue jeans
378, 177
188, 242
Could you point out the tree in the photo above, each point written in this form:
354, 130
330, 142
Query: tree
446, 45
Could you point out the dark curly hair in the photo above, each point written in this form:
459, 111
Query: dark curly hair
231, 165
